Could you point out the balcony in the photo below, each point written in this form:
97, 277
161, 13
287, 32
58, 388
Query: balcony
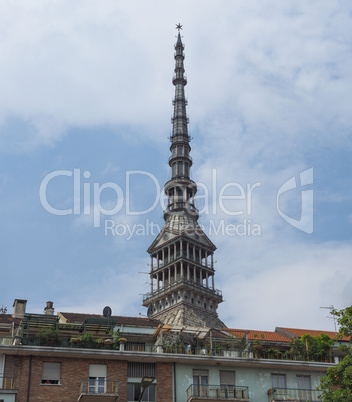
182, 281
294, 395
99, 390
7, 383
6, 340
217, 393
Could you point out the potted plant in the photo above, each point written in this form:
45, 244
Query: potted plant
75, 341
49, 337
87, 340
122, 342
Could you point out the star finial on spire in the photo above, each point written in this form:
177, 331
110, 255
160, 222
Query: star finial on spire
178, 26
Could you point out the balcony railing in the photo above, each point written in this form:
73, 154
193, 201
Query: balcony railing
195, 285
293, 394
6, 340
93, 388
188, 157
209, 392
7, 383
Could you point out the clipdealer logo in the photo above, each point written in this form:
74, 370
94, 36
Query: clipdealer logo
88, 200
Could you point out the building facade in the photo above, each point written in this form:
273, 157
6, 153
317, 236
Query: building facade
86, 357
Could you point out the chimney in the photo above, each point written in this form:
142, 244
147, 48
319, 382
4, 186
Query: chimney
49, 309
19, 308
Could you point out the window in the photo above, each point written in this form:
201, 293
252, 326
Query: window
51, 373
304, 388
179, 169
278, 380
186, 169
134, 392
139, 370
200, 382
97, 378
227, 384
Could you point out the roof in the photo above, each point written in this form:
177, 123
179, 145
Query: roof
8, 319
298, 332
70, 318
259, 335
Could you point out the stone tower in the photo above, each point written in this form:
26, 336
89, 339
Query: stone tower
182, 265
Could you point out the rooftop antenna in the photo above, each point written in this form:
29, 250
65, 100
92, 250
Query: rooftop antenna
331, 308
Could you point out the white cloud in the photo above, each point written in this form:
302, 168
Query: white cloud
280, 70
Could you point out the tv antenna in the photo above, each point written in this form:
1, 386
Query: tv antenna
331, 308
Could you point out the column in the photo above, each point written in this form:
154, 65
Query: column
181, 248
151, 263
163, 279
200, 256
181, 273
212, 261
187, 250
213, 285
151, 284
157, 284
163, 256
207, 279
206, 258
188, 273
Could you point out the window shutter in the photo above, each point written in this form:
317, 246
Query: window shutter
201, 372
227, 377
97, 370
51, 371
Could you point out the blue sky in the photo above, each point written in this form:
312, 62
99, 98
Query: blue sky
86, 86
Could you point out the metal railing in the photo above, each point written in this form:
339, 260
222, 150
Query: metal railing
188, 157
6, 340
217, 391
99, 386
281, 394
180, 138
210, 291
7, 383
182, 205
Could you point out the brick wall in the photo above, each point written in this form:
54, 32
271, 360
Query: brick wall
164, 382
73, 371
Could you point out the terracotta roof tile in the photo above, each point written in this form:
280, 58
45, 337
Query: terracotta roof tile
71, 318
291, 332
8, 319
259, 335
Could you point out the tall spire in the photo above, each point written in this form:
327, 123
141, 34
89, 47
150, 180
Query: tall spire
180, 190
182, 289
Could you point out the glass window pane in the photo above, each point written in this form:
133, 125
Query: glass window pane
130, 392
278, 380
